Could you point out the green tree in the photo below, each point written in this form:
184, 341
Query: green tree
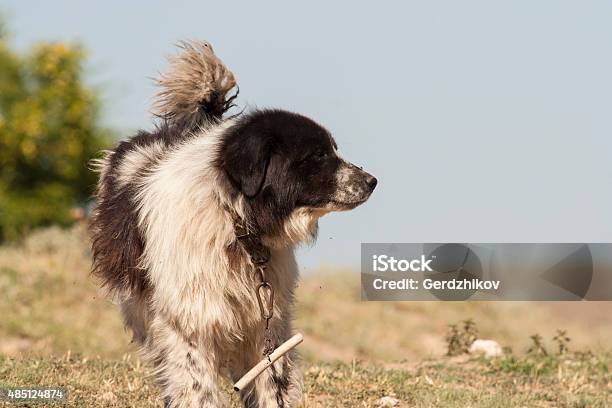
49, 129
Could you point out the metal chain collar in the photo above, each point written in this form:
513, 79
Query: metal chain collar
264, 290
259, 255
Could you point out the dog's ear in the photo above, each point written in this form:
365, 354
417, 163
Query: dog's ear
246, 158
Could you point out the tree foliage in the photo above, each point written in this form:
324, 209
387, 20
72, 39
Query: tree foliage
49, 129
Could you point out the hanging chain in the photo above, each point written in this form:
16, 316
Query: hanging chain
259, 255
266, 308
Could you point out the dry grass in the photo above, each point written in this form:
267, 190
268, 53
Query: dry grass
48, 301
354, 352
334, 319
573, 381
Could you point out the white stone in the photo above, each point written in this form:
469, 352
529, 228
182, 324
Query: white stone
387, 401
490, 348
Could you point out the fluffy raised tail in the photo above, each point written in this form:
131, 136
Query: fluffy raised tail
195, 87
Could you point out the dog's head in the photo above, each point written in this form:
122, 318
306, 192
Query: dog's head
288, 171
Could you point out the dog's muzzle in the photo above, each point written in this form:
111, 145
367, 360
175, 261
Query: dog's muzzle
353, 186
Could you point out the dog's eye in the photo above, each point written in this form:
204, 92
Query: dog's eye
321, 154
316, 155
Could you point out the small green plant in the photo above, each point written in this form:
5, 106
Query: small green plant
458, 339
562, 340
537, 348
453, 340
470, 332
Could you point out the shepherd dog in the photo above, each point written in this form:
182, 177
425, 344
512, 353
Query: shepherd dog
184, 213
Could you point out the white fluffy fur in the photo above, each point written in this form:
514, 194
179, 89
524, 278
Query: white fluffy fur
136, 160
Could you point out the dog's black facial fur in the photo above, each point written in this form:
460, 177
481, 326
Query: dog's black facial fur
281, 161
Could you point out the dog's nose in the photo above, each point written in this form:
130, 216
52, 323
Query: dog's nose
372, 182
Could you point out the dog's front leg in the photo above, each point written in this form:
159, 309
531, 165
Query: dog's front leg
279, 386
185, 369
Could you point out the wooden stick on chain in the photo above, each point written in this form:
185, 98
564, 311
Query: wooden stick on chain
268, 361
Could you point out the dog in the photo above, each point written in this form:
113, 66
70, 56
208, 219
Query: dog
183, 216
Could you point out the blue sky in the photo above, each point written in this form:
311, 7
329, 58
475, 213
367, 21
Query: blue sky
485, 121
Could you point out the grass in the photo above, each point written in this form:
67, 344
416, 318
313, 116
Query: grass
57, 328
580, 380
339, 326
49, 303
